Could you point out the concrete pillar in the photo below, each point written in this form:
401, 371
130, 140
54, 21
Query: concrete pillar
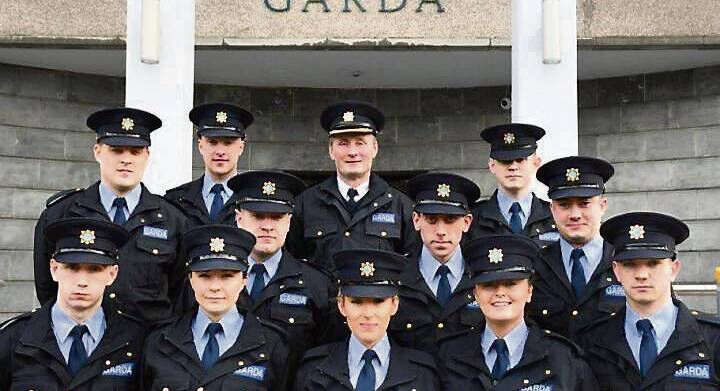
545, 94
164, 89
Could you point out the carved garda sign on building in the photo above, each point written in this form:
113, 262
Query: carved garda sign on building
386, 6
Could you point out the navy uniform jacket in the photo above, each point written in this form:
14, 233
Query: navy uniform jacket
255, 362
549, 362
326, 368
488, 220
421, 321
30, 358
554, 305
188, 197
151, 273
322, 225
689, 361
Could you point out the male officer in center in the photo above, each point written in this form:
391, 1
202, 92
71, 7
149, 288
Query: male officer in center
354, 208
220, 141
436, 292
513, 208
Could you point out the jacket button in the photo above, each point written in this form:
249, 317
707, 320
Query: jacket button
282, 286
262, 355
375, 204
241, 363
609, 279
159, 215
319, 233
701, 355
575, 313
200, 389
155, 251
112, 295
300, 282
678, 362
389, 195
347, 233
142, 220
544, 312
383, 233
129, 354
291, 320
547, 371
165, 389
440, 325
526, 381
107, 362
408, 326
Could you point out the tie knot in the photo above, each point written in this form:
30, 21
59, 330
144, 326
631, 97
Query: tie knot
351, 193
499, 346
258, 269
214, 328
119, 202
644, 326
576, 254
217, 188
369, 355
78, 331
515, 208
443, 270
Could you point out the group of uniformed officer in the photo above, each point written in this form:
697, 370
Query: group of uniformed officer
249, 281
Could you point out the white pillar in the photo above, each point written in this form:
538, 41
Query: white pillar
545, 94
164, 89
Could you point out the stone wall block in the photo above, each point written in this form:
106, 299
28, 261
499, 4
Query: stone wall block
399, 103
22, 111
669, 85
475, 155
412, 130
599, 120
702, 111
205, 93
16, 265
28, 204
622, 147
268, 101
17, 234
707, 80
645, 116
296, 129
616, 90
67, 175
17, 296
20, 172
310, 102
109, 91
461, 128
289, 156
484, 100
436, 102
79, 145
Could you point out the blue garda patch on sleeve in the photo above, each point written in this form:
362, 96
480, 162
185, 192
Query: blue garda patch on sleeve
474, 305
121, 370
546, 386
694, 371
614, 291
255, 372
552, 236
388, 218
294, 299
154, 232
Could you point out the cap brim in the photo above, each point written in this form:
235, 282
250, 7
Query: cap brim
338, 132
372, 291
500, 276
581, 192
512, 154
629, 255
85, 258
220, 133
217, 264
118, 141
264, 207
440, 209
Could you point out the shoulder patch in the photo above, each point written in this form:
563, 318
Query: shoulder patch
563, 340
13, 320
272, 326
316, 352
421, 358
706, 318
61, 195
317, 267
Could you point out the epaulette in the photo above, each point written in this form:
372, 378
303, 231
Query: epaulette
706, 318
319, 268
455, 334
563, 340
601, 320
422, 358
61, 195
277, 329
175, 204
317, 352
10, 321
182, 187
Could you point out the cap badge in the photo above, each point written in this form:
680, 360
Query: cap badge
495, 255
509, 138
217, 245
572, 174
637, 232
127, 124
268, 188
349, 116
443, 190
221, 117
367, 269
87, 236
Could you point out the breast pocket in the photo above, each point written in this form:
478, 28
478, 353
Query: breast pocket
383, 233
291, 309
250, 378
169, 385
36, 383
152, 257
318, 230
412, 326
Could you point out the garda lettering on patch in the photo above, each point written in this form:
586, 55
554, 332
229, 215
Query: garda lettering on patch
615, 290
255, 372
552, 236
388, 218
547, 386
293, 299
122, 370
154, 232
694, 371
473, 306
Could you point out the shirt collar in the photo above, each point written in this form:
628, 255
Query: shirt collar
107, 196
593, 251
208, 184
271, 264
515, 340
663, 321
505, 202
356, 350
63, 324
229, 321
429, 265
343, 187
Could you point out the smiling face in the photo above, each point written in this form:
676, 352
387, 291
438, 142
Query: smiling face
647, 282
121, 168
368, 318
515, 176
503, 302
81, 286
216, 291
270, 230
441, 234
578, 219
353, 154
220, 155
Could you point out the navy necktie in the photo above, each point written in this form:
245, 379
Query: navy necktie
351, 193
217, 202
515, 221
366, 380
443, 291
212, 350
648, 346
78, 355
577, 279
502, 362
120, 204
258, 282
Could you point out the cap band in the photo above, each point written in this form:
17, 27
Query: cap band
103, 135
253, 199
521, 269
110, 254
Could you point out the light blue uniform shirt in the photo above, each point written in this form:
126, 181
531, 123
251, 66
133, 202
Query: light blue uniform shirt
271, 266
62, 325
429, 265
515, 341
663, 323
355, 361
231, 323
132, 199
505, 202
593, 255
208, 196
